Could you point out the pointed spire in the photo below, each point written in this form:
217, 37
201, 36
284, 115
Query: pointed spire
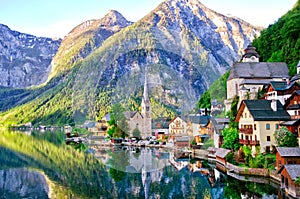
145, 95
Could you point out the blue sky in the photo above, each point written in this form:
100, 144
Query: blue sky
55, 18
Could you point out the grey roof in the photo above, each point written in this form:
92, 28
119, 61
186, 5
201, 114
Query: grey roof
255, 81
261, 110
293, 170
162, 121
197, 119
212, 149
250, 51
222, 120
267, 70
222, 152
129, 114
289, 151
291, 123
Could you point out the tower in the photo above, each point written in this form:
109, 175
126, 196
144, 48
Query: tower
146, 111
250, 54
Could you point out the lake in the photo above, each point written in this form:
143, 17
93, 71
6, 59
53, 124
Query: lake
41, 165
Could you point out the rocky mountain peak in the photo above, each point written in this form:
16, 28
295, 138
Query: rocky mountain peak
114, 19
24, 59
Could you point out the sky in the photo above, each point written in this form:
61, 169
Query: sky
55, 18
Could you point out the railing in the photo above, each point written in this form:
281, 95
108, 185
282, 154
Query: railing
244, 141
246, 131
254, 142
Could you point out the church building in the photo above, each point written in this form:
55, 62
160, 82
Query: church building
141, 121
249, 76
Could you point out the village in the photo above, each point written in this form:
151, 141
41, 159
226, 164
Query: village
258, 117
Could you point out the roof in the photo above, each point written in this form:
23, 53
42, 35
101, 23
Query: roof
212, 149
255, 81
129, 114
250, 51
291, 123
222, 120
222, 152
261, 110
283, 85
197, 119
279, 85
289, 151
266, 70
293, 170
161, 123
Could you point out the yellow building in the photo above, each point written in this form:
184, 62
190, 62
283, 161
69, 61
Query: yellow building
258, 120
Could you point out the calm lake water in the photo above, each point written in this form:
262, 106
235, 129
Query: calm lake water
41, 165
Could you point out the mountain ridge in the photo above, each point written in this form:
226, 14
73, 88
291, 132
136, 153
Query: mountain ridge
182, 58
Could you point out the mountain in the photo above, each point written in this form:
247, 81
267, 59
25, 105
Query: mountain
24, 59
181, 47
84, 39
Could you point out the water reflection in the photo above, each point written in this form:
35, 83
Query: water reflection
114, 172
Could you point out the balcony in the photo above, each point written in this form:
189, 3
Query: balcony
249, 142
246, 131
244, 142
254, 142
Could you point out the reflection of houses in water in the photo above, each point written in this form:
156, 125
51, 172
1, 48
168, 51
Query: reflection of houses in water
147, 159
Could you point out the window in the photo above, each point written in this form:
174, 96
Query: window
267, 126
255, 127
268, 138
276, 126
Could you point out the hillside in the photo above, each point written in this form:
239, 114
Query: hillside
280, 42
181, 47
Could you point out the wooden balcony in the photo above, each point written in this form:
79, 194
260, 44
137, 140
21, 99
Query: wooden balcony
249, 142
246, 142
254, 142
246, 131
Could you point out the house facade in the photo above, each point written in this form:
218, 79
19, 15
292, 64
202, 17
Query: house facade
177, 127
287, 155
258, 120
289, 174
281, 90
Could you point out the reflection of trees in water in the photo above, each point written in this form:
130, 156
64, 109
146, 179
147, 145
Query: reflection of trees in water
81, 175
235, 188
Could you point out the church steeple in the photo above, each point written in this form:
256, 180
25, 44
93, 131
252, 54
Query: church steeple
146, 110
145, 95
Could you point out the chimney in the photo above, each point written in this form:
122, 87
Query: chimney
274, 105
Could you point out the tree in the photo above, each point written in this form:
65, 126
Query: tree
204, 101
136, 133
284, 138
119, 126
231, 139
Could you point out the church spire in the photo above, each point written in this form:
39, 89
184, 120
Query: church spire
146, 110
145, 95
